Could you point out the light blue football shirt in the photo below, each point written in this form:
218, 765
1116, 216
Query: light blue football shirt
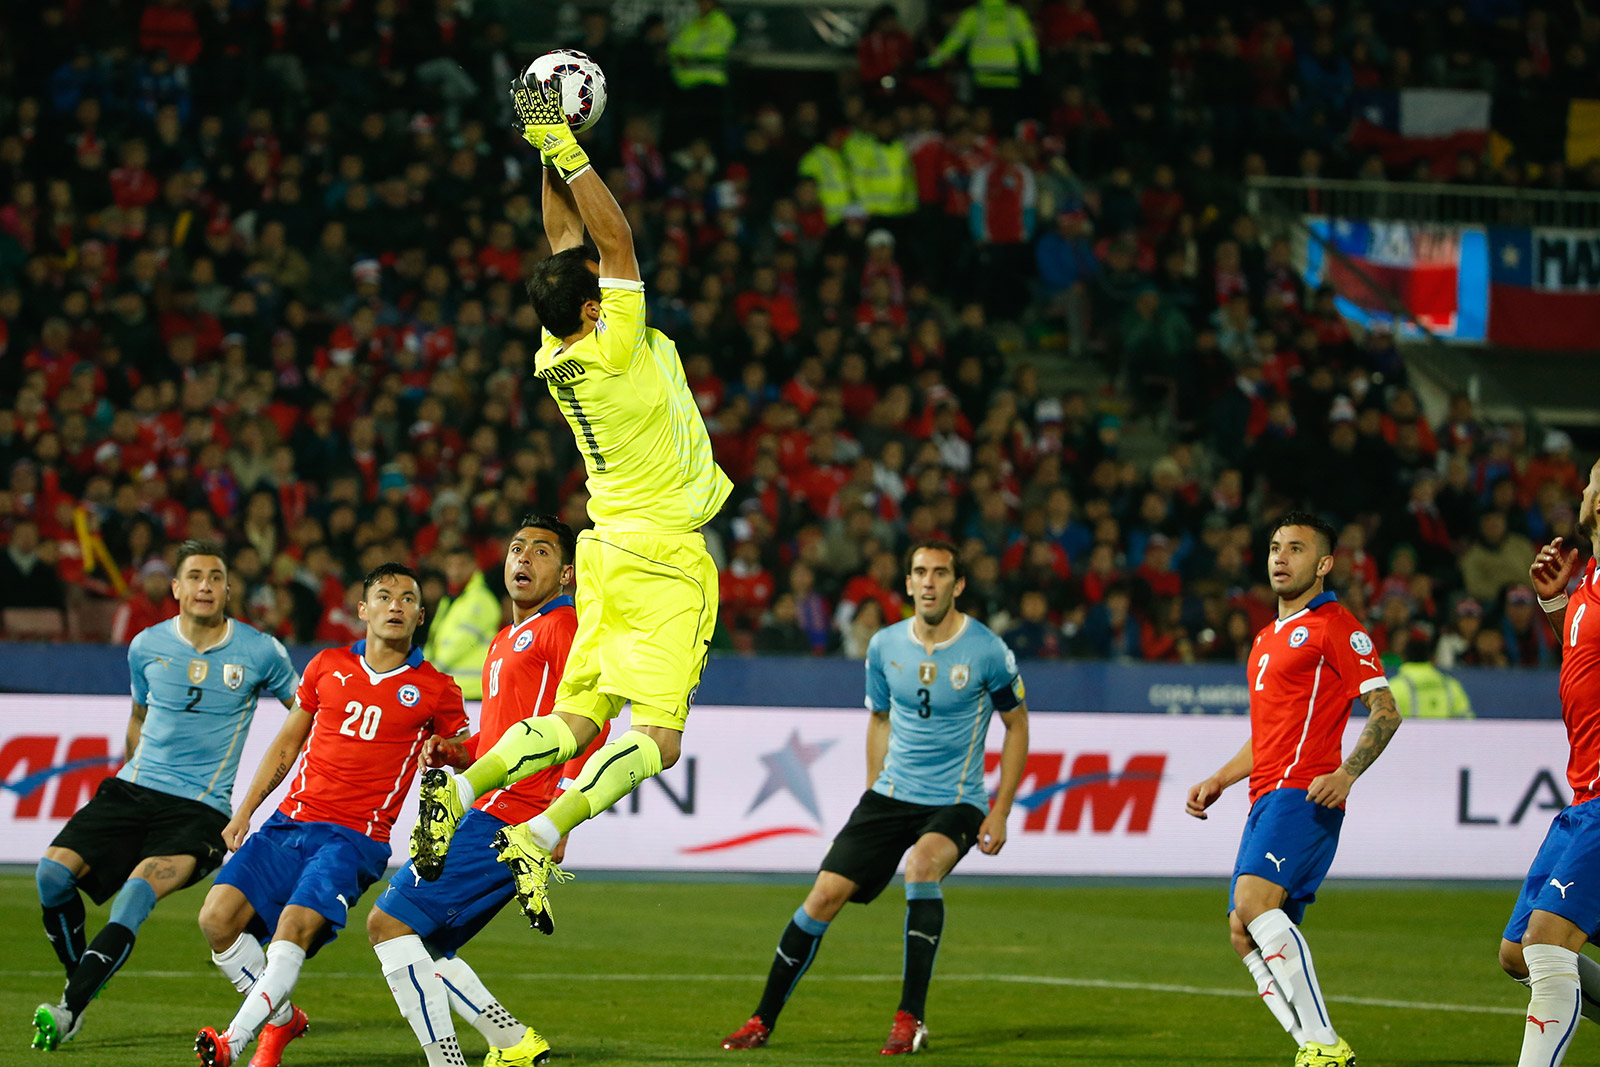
939, 707
200, 706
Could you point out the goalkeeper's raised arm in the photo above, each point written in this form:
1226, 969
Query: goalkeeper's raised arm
579, 198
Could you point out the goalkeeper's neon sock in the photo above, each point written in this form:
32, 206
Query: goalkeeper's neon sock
609, 775
924, 926
421, 996
472, 1001
63, 911
796, 949
527, 748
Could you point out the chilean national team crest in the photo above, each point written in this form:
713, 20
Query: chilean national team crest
1361, 643
233, 675
409, 695
1298, 637
198, 669
959, 674
524, 639
927, 672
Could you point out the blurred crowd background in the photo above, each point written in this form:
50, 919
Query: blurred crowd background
260, 268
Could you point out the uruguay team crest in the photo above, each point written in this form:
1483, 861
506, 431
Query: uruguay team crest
1298, 637
233, 675
409, 695
198, 669
959, 675
524, 639
927, 672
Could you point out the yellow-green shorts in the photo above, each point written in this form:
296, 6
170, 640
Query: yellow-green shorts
647, 605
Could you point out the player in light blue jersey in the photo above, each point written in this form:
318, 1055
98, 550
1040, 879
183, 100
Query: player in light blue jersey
933, 681
157, 826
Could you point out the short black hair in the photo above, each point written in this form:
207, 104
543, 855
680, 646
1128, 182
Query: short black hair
559, 288
193, 547
1325, 533
388, 570
958, 567
564, 535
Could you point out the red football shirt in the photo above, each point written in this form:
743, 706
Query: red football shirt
520, 679
1580, 685
366, 731
1304, 672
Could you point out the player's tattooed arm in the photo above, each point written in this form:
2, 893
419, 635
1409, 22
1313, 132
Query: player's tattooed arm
135, 727
1383, 719
271, 772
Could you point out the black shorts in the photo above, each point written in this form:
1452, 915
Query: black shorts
882, 829
127, 823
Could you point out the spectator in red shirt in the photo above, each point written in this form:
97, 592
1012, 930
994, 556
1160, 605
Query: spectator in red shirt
132, 184
746, 588
501, 258
782, 312
169, 26
884, 51
145, 605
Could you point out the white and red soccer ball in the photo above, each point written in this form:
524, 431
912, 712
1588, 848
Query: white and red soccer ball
583, 84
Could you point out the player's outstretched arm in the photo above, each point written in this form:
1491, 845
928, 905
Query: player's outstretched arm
1013, 758
1551, 572
274, 768
1203, 794
607, 225
135, 728
877, 745
1383, 719
563, 226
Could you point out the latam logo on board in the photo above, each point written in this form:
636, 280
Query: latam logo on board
29, 763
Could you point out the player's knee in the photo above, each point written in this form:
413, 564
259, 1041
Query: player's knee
1511, 960
1243, 943
828, 896
218, 924
381, 927
922, 868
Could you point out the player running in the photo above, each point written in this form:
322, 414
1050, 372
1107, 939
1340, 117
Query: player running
932, 683
1558, 911
157, 826
362, 717
1305, 669
647, 604
417, 927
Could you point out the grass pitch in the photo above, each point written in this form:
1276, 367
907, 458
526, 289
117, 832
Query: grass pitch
657, 972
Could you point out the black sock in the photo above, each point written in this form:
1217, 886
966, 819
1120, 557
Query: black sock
63, 925
796, 949
924, 926
103, 958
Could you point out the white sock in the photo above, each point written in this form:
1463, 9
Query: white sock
464, 790
1555, 1006
242, 963
420, 994
472, 1001
1273, 997
1288, 957
545, 832
269, 997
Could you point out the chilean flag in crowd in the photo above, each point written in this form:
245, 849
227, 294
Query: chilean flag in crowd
1416, 267
1412, 125
1544, 288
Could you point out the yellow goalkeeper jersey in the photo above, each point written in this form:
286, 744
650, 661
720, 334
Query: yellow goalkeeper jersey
622, 390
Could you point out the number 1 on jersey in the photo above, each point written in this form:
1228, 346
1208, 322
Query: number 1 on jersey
1262, 672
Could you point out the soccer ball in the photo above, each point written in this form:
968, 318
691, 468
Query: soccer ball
583, 84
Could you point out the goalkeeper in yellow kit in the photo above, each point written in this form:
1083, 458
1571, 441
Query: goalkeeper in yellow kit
647, 588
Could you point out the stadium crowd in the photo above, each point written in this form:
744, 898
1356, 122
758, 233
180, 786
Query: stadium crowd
259, 282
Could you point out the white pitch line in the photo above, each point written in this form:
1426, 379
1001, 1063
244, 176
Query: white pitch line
1013, 979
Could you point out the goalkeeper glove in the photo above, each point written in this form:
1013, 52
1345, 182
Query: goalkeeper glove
542, 122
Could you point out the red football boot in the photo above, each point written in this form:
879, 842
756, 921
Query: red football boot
753, 1034
909, 1034
270, 1045
213, 1048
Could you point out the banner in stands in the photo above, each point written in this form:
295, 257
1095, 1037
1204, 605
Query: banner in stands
1438, 274
761, 789
1544, 288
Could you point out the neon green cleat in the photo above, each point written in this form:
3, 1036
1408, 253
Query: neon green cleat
532, 870
531, 1051
53, 1024
439, 809
1312, 1054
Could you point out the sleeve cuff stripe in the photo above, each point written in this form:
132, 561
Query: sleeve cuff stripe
1370, 684
622, 283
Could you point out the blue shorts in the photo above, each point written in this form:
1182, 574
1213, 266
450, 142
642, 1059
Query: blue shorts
315, 865
475, 885
1290, 842
1564, 878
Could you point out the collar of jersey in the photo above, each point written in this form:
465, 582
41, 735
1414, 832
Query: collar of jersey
1327, 597
911, 635
413, 659
227, 636
562, 601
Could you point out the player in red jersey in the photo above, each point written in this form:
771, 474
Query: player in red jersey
362, 717
1558, 911
417, 926
1304, 670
